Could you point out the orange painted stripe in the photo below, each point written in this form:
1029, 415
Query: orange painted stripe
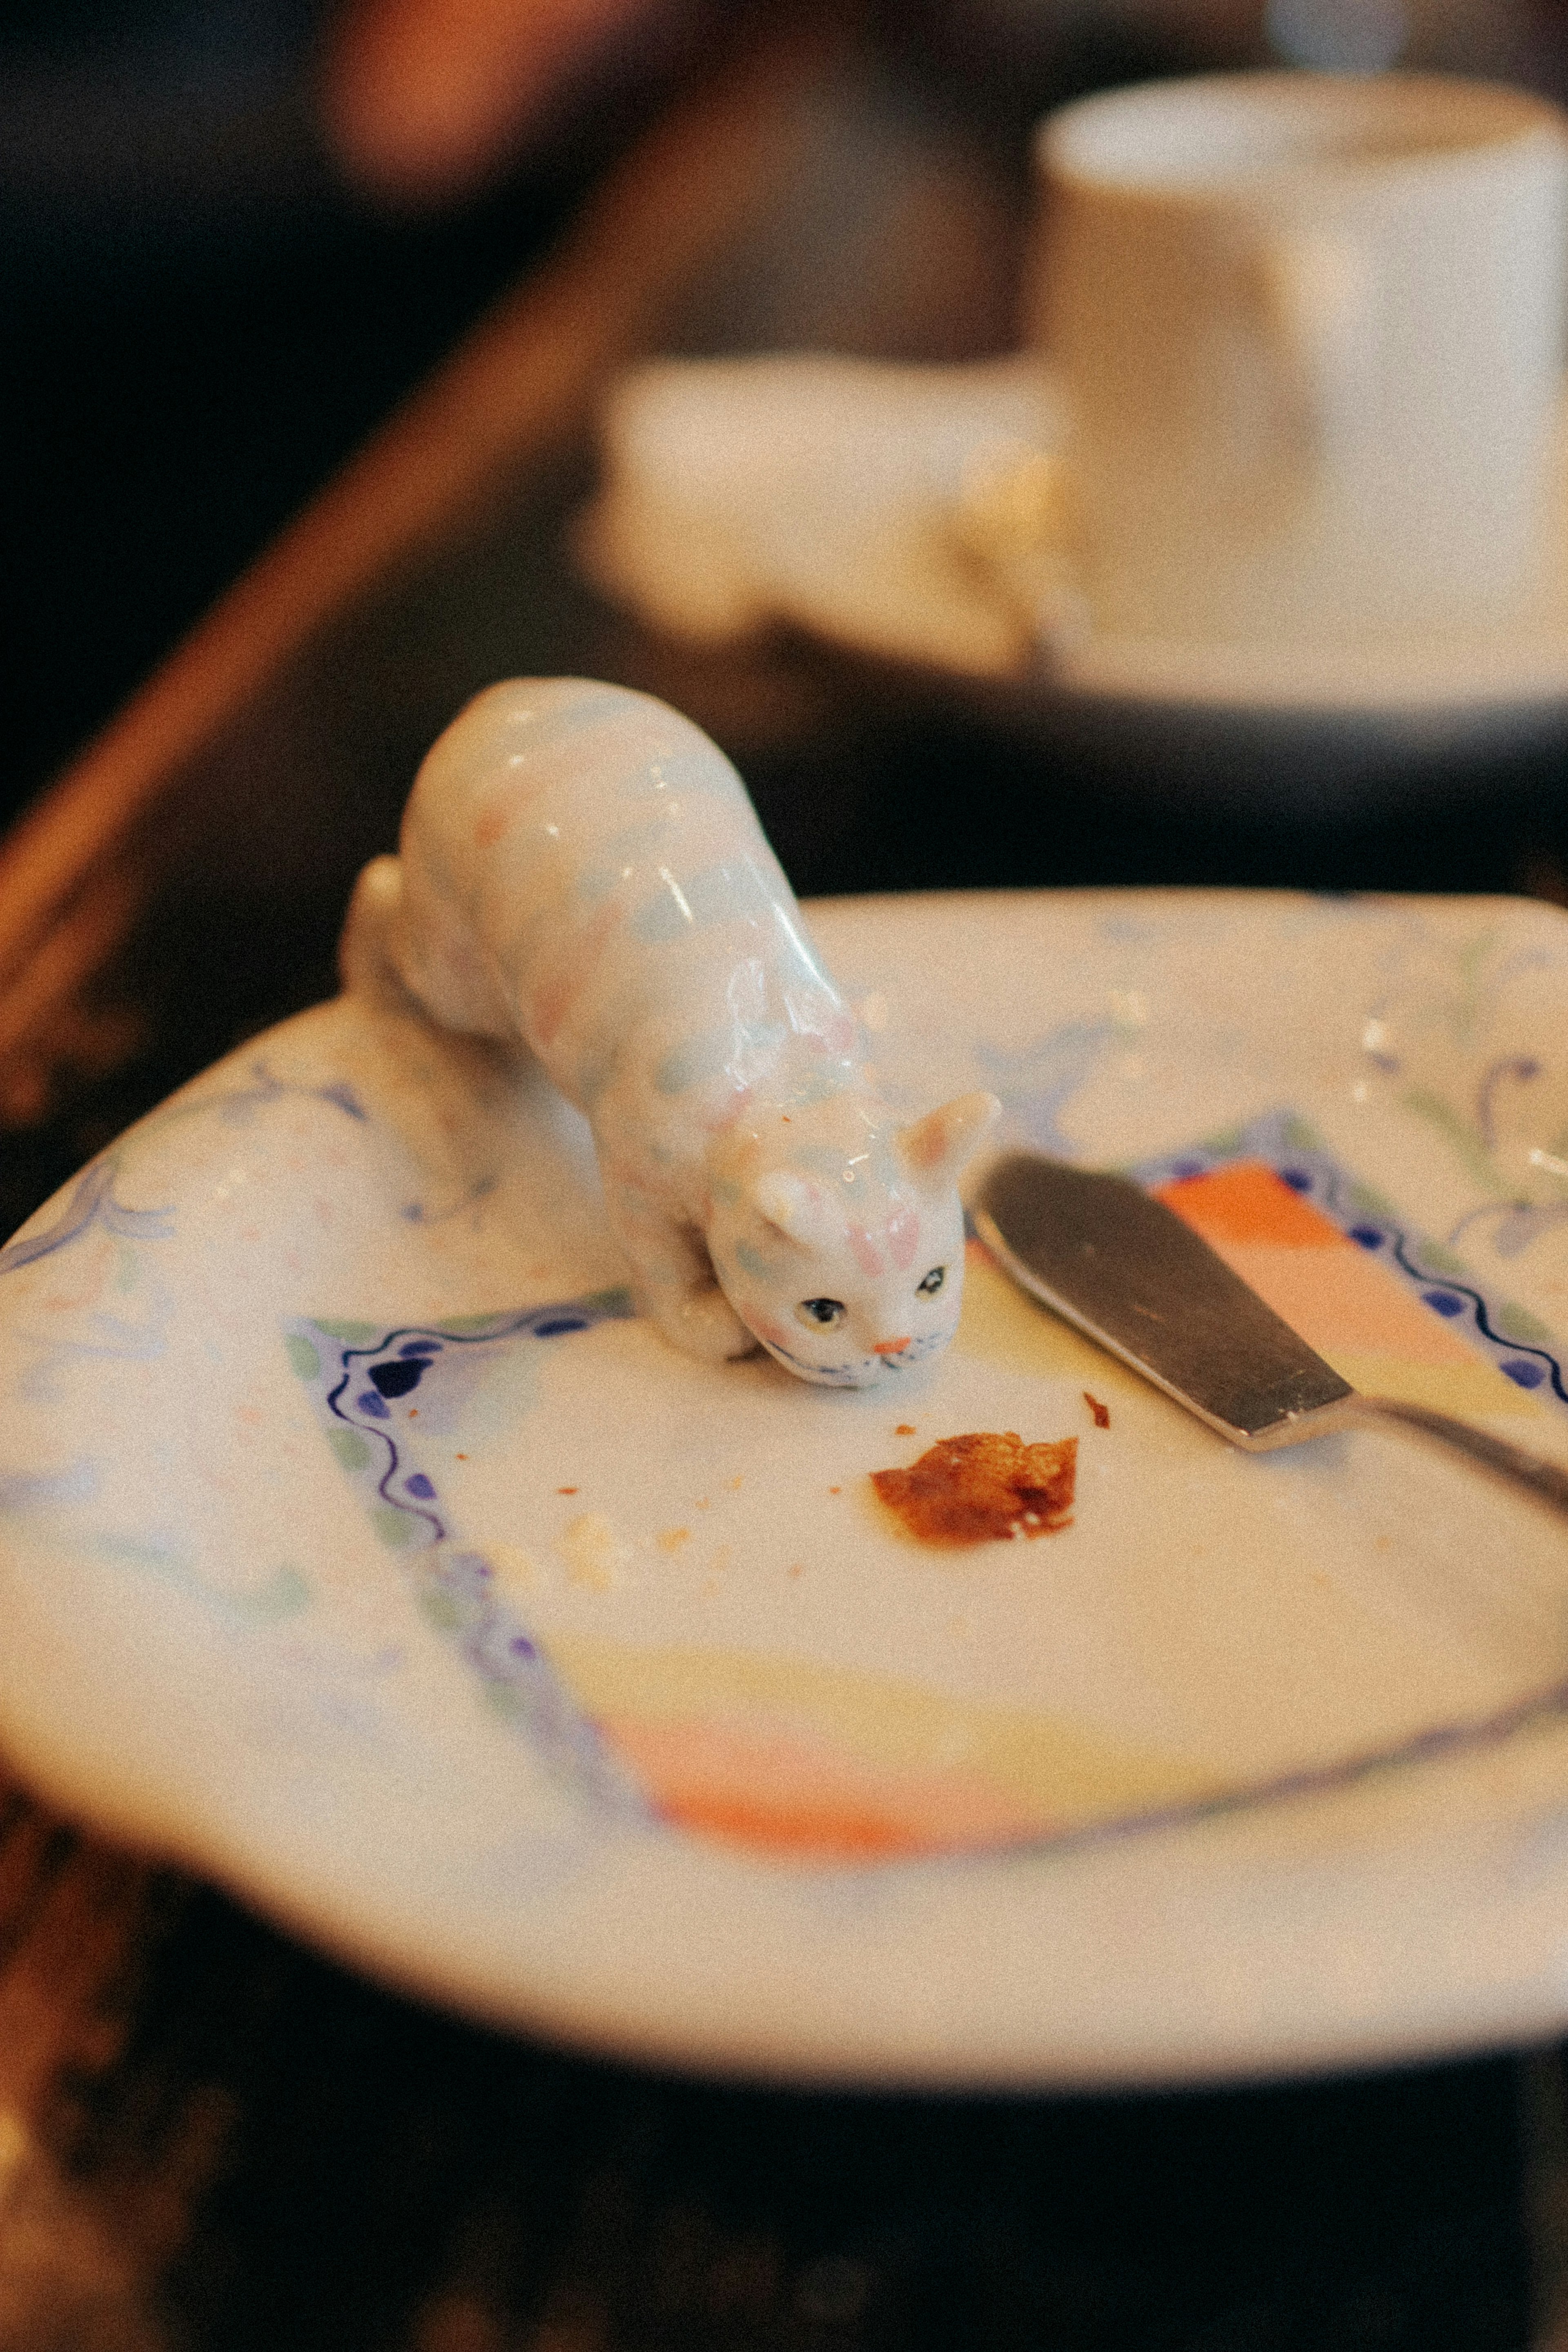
1248, 1202
829, 1835
792, 1789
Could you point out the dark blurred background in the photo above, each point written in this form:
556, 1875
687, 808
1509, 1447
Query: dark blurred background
203, 316
209, 304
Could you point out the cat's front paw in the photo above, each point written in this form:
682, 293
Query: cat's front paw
704, 1324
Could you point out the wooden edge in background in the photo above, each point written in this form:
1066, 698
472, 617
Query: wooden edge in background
514, 388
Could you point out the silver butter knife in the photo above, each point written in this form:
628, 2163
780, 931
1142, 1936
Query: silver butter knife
1100, 1252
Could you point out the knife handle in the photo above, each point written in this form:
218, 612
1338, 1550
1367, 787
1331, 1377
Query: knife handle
1545, 1480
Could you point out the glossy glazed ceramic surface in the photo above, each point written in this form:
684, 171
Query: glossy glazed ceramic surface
1245, 280
581, 874
359, 1547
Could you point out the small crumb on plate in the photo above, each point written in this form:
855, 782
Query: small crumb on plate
514, 1569
594, 1554
982, 1488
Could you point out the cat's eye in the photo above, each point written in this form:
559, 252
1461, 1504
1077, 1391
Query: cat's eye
930, 1284
821, 1314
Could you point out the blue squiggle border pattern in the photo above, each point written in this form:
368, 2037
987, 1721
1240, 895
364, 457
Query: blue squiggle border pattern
90, 1203
1285, 1143
454, 1586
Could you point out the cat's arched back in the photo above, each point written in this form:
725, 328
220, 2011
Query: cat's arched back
581, 868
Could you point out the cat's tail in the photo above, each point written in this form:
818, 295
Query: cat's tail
366, 965
386, 958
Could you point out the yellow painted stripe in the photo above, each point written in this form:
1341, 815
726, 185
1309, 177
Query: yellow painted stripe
1043, 1765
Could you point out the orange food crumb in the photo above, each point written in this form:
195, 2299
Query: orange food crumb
1101, 1411
974, 1489
560, 1490
905, 1429
796, 1567
462, 1457
835, 1490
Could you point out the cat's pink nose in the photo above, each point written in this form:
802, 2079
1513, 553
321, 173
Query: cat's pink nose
890, 1347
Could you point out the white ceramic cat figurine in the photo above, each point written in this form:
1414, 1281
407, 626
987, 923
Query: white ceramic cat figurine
580, 867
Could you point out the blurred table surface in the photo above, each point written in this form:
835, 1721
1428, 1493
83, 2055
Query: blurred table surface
211, 2136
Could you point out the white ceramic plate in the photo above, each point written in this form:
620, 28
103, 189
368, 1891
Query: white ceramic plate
358, 1549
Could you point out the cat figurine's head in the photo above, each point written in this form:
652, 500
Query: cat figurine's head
837, 1236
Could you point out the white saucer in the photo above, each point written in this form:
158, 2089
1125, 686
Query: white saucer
827, 494
1491, 678
358, 1549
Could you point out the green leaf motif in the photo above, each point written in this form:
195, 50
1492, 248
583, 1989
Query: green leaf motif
305, 1359
1470, 960
1443, 1260
282, 1594
285, 1592
1519, 1323
1464, 1140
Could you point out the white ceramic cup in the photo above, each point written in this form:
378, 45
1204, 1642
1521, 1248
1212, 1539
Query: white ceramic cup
1310, 331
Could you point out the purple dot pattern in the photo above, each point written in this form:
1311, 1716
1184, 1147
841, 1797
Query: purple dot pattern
360, 1386
1282, 1141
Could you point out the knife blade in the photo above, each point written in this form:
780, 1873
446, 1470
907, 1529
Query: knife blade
1126, 1271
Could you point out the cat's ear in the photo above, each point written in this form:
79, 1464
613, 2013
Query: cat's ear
934, 1148
794, 1206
